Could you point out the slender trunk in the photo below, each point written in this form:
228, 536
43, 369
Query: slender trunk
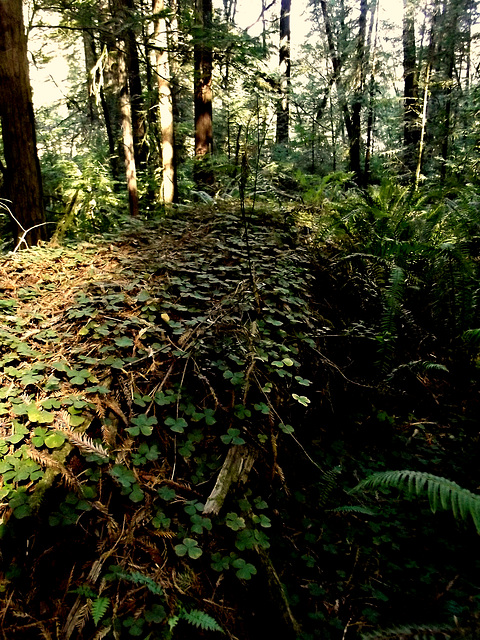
123, 13
452, 16
342, 99
90, 62
203, 64
168, 190
283, 109
23, 180
127, 133
358, 96
371, 95
411, 128
426, 92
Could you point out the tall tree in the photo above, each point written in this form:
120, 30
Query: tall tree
451, 18
129, 35
165, 100
352, 124
359, 93
283, 110
411, 123
23, 183
203, 67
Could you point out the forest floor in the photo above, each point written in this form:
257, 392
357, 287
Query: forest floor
183, 409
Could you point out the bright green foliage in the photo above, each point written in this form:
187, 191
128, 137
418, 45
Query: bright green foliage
99, 608
201, 620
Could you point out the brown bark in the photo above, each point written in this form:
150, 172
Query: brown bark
203, 64
127, 133
23, 183
283, 110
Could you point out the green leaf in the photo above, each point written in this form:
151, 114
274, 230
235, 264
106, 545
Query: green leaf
99, 609
234, 522
232, 437
55, 440
301, 399
201, 620
286, 428
264, 408
166, 493
303, 381
124, 342
136, 495
178, 425
143, 424
245, 570
188, 547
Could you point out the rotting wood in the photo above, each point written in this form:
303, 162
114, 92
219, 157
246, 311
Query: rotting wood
235, 469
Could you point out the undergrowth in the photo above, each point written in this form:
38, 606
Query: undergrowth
184, 410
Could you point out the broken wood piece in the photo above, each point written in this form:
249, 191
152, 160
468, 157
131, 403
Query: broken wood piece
235, 469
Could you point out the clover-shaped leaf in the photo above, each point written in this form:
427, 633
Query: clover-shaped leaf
301, 399
178, 425
188, 547
143, 424
234, 522
232, 437
245, 570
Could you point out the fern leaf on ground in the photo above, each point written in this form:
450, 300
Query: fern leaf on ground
99, 608
201, 620
441, 492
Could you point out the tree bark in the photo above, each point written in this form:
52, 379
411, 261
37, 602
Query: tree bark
452, 14
169, 182
127, 132
358, 95
283, 110
23, 182
203, 65
411, 124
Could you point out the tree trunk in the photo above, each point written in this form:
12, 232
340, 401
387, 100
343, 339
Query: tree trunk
90, 63
123, 12
127, 132
135, 88
371, 93
358, 95
452, 12
203, 64
168, 190
23, 183
426, 91
411, 124
342, 98
283, 110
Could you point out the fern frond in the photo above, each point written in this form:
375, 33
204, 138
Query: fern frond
363, 511
413, 632
201, 620
472, 336
47, 461
83, 442
440, 491
101, 633
327, 484
99, 608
